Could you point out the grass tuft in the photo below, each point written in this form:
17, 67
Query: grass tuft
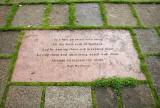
115, 82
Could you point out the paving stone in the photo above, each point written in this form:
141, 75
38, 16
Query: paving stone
154, 69
120, 14
2, 0
88, 14
8, 40
68, 97
24, 97
106, 98
59, 15
66, 56
139, 96
4, 12
4, 70
148, 39
29, 0
29, 15
149, 13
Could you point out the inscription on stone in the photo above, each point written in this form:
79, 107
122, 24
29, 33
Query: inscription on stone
79, 55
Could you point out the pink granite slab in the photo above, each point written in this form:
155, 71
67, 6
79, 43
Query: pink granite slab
78, 55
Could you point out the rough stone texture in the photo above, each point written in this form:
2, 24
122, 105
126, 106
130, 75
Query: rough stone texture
137, 97
120, 14
29, 15
59, 15
68, 97
154, 69
24, 97
148, 39
8, 40
106, 98
148, 13
28, 0
88, 14
4, 70
4, 12
64, 56
2, 0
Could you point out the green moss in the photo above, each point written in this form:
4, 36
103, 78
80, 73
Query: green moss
158, 31
2, 104
5, 56
7, 1
144, 67
11, 15
103, 13
81, 1
47, 15
43, 97
135, 14
136, 45
72, 18
152, 54
72, 27
94, 101
115, 82
15, 55
119, 99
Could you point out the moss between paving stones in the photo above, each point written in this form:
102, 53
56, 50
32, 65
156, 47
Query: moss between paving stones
11, 15
117, 83
103, 13
72, 18
47, 15
5, 56
144, 67
43, 97
135, 14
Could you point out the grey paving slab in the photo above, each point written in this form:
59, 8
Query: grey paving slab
120, 14
59, 15
2, 0
106, 98
154, 69
29, 15
29, 0
149, 13
68, 97
8, 41
148, 39
24, 97
88, 14
4, 70
137, 97
4, 12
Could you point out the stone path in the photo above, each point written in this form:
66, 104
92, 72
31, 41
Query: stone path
48, 61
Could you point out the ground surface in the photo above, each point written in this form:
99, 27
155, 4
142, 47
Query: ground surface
141, 18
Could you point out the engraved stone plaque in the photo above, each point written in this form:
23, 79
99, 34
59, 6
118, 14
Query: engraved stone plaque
77, 55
